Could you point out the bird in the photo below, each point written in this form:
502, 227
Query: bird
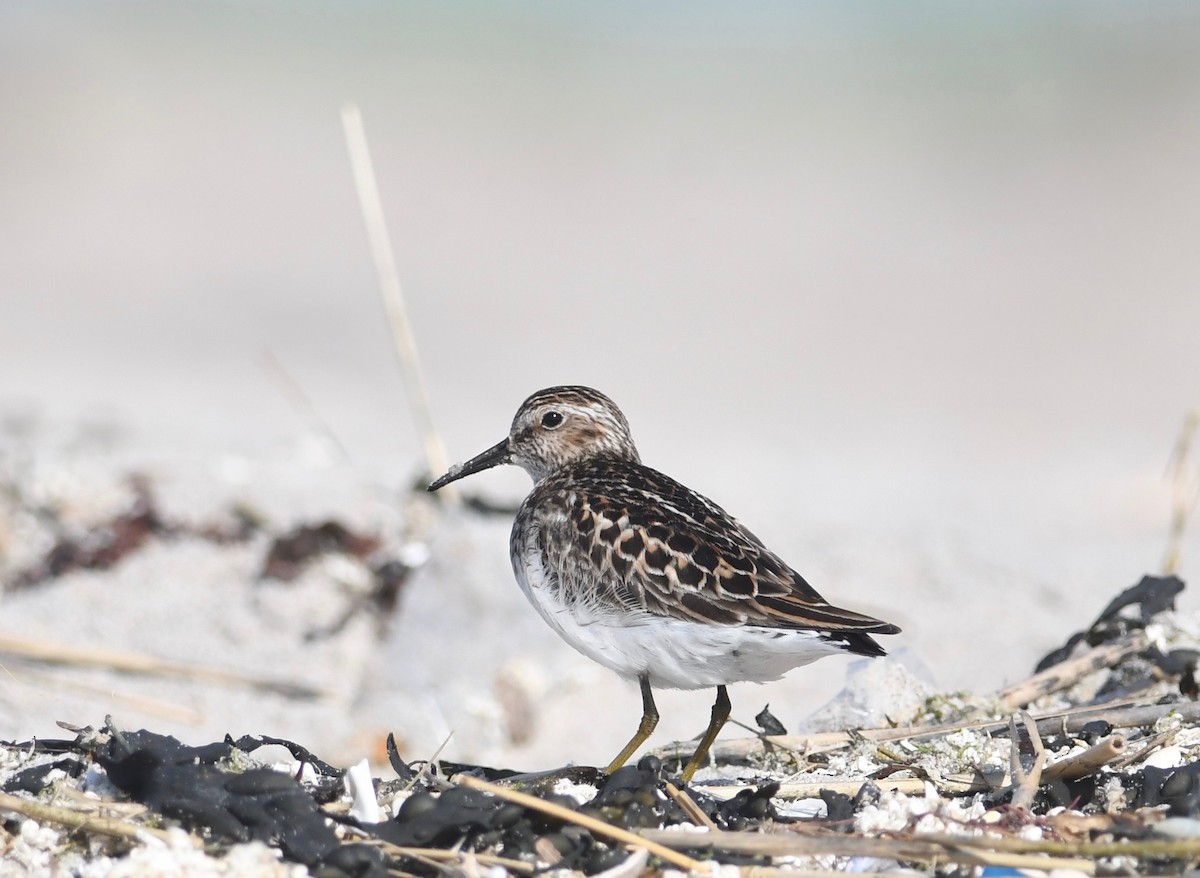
646, 576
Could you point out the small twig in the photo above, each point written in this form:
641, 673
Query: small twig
953, 785
435, 856
887, 754
1065, 674
1025, 783
694, 812
64, 793
1152, 743
427, 768
391, 291
139, 663
1083, 764
73, 819
597, 826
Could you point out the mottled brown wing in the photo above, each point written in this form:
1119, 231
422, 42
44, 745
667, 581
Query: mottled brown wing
676, 553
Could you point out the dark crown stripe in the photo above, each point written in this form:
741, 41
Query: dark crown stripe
576, 393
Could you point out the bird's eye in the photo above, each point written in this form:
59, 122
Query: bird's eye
550, 420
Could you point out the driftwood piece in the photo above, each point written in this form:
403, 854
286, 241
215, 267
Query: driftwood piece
1129, 716
925, 849
1126, 715
920, 847
1083, 764
1025, 783
1065, 674
1071, 768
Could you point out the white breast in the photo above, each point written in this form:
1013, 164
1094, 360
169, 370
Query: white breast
675, 654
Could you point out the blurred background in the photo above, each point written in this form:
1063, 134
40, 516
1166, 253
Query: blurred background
912, 290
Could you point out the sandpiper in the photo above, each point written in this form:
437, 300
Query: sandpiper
647, 577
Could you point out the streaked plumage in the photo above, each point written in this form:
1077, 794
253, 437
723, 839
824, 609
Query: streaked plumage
644, 575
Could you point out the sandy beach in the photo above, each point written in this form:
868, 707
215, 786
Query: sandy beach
915, 302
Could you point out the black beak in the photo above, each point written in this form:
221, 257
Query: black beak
494, 456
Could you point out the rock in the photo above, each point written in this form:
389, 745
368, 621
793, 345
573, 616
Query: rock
878, 692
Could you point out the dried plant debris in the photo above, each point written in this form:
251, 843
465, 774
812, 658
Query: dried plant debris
217, 793
186, 784
105, 538
290, 554
1079, 781
769, 723
101, 546
105, 542
1131, 610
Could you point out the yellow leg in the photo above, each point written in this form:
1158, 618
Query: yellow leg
720, 713
645, 727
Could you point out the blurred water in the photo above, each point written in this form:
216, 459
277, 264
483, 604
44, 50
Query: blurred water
910, 289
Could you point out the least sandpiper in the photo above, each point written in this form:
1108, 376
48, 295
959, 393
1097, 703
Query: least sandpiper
647, 577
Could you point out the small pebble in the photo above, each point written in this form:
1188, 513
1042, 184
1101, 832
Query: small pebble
1166, 757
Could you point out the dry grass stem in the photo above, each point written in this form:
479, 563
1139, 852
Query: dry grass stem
301, 402
439, 856
597, 826
148, 665
142, 703
689, 806
88, 821
426, 771
391, 291
1185, 490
